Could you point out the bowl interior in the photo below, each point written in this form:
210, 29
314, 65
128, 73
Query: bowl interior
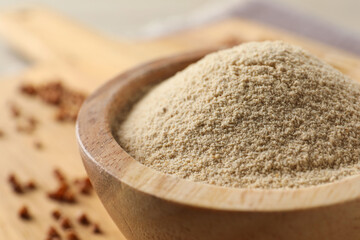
96, 135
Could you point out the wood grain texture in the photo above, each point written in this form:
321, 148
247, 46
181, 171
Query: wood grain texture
58, 48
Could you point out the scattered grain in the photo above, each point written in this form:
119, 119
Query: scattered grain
51, 92
83, 219
62, 194
30, 185
15, 184
71, 235
28, 89
59, 175
24, 213
56, 214
38, 144
96, 229
53, 234
67, 101
84, 185
65, 223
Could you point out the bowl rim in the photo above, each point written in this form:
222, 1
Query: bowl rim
97, 142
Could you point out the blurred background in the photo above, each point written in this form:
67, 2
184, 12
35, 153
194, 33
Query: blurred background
151, 18
137, 18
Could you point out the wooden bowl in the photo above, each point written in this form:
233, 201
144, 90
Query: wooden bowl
147, 204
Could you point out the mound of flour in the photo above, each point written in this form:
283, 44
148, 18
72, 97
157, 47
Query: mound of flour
259, 115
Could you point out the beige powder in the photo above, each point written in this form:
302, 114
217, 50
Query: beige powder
259, 115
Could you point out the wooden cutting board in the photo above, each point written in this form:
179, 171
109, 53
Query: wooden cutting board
58, 48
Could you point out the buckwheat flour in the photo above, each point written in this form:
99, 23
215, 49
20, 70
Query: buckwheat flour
259, 115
